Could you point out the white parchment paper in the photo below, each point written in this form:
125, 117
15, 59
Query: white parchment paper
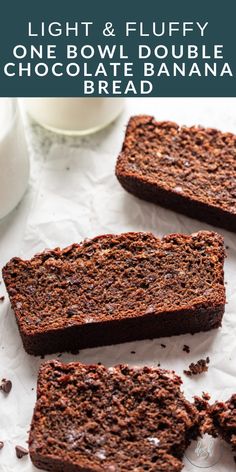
74, 195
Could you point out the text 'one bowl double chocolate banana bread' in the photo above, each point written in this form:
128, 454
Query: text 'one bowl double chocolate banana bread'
117, 288
90, 418
191, 170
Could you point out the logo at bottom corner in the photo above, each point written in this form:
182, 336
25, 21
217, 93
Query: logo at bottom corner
204, 453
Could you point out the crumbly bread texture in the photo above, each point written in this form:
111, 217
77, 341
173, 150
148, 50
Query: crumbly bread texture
196, 368
119, 419
117, 288
223, 417
191, 170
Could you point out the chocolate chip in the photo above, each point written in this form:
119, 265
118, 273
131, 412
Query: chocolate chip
2, 298
1, 444
186, 348
6, 386
163, 345
71, 312
132, 352
206, 396
21, 452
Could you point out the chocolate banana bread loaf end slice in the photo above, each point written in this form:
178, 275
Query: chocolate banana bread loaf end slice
191, 170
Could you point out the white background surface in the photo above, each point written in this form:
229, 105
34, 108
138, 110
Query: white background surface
74, 194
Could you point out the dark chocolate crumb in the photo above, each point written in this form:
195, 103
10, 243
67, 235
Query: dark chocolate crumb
186, 348
198, 368
132, 352
227, 247
71, 312
2, 298
158, 365
205, 422
6, 386
200, 403
206, 396
21, 452
60, 354
99, 363
1, 444
163, 345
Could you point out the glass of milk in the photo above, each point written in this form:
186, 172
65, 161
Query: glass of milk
74, 115
14, 160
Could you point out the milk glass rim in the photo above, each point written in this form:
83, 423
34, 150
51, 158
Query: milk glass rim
13, 115
74, 132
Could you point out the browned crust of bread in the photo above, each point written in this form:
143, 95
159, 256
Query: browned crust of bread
130, 301
207, 195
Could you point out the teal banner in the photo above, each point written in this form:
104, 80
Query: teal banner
125, 48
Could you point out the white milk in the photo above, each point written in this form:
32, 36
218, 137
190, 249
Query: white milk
14, 162
74, 115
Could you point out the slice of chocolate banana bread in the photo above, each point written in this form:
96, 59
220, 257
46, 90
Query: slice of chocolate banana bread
117, 288
120, 419
223, 416
189, 170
